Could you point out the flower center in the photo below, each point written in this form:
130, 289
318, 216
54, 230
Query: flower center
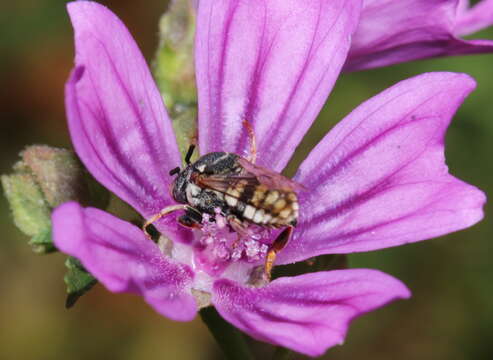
218, 244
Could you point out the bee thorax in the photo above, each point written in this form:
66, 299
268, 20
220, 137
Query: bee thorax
224, 181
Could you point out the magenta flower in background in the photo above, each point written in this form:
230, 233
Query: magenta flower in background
392, 32
378, 179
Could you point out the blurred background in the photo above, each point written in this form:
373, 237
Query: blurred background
450, 315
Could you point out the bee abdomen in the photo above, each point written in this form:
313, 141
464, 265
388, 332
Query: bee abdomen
273, 208
283, 206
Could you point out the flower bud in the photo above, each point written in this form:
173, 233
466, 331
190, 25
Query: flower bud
45, 178
57, 172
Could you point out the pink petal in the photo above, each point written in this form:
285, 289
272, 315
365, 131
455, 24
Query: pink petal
478, 17
378, 179
308, 313
117, 120
123, 259
270, 62
392, 31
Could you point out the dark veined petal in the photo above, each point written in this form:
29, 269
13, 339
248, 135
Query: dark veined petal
307, 313
379, 178
117, 120
270, 62
119, 255
392, 32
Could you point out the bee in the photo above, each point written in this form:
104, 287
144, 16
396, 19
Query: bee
244, 193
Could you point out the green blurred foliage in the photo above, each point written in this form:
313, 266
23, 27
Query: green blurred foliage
174, 71
449, 317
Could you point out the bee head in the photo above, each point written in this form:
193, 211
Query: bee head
179, 185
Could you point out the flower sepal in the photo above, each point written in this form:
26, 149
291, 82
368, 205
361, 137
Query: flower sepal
41, 242
78, 281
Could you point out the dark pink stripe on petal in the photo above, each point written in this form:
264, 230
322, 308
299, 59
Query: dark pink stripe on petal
379, 179
308, 313
272, 63
117, 120
119, 255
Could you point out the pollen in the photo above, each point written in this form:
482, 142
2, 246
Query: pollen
219, 246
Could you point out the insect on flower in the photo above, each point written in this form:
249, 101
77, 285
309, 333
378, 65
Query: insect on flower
377, 179
241, 191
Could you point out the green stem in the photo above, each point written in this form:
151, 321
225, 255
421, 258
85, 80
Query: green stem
229, 338
281, 353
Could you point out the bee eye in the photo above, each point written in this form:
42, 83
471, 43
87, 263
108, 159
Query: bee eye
176, 170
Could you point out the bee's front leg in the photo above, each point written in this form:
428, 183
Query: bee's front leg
276, 246
191, 219
166, 211
237, 225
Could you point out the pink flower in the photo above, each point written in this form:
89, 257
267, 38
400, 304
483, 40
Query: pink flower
378, 179
392, 31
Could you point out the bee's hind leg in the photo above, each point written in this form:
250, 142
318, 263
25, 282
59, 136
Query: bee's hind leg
253, 143
277, 245
237, 225
166, 211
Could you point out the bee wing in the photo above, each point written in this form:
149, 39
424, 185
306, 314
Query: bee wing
251, 177
270, 178
223, 182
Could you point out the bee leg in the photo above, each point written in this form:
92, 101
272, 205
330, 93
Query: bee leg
251, 138
236, 225
167, 210
276, 246
191, 219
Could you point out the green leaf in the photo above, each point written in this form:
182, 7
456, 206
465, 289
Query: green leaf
78, 281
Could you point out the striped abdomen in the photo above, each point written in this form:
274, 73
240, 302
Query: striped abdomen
261, 205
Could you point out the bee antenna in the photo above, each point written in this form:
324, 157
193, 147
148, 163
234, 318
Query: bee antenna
189, 154
176, 170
